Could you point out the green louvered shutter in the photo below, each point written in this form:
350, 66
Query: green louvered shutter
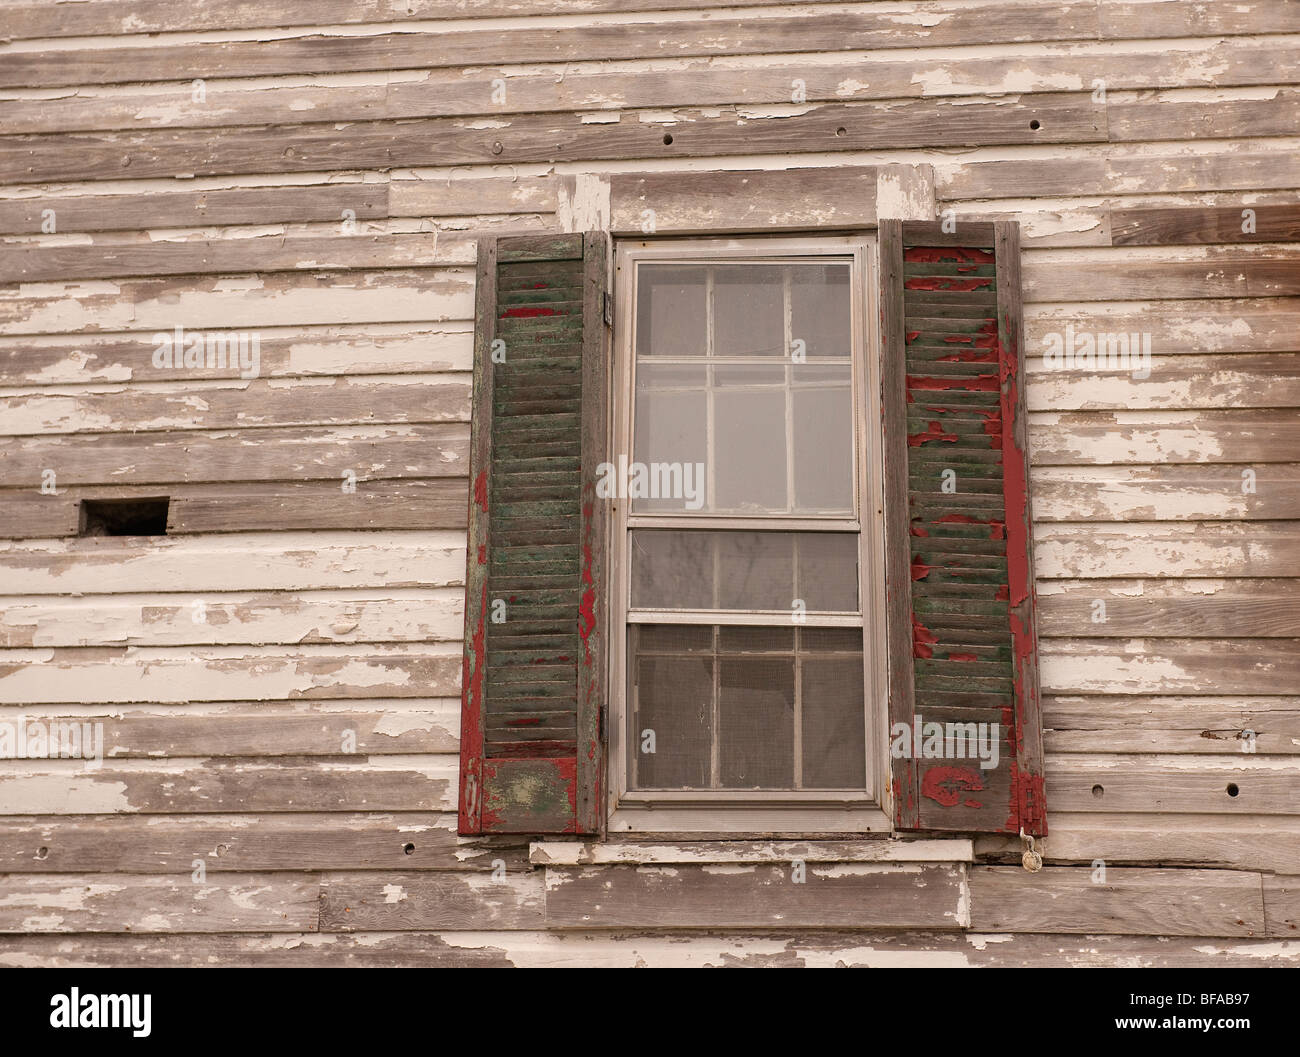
959, 557
533, 676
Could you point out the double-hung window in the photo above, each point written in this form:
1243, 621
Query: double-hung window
748, 681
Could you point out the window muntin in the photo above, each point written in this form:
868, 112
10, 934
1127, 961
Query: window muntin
741, 614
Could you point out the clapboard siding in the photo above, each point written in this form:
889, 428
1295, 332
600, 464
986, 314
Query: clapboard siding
277, 680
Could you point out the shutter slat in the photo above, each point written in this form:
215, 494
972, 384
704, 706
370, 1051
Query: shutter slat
534, 656
958, 569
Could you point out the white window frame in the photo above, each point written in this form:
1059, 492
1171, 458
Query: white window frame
727, 812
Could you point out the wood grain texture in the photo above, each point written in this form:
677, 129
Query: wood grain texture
1135, 902
243, 562
1228, 726
31, 18
169, 844
1120, 172
396, 901
225, 618
428, 295
337, 53
237, 403
757, 200
290, 454
522, 138
1246, 437
284, 352
404, 783
1197, 608
845, 895
264, 731
1173, 785
772, 948
904, 776
640, 84
1150, 549
1239, 842
263, 902
1169, 227
252, 507
113, 674
1282, 905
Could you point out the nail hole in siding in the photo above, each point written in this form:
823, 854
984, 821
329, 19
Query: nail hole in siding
1098, 791
42, 853
841, 131
1035, 124
409, 849
1232, 789
123, 517
668, 139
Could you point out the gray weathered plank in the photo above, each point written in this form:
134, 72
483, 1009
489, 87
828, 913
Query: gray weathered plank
830, 30
509, 897
843, 895
162, 844
1128, 901
775, 948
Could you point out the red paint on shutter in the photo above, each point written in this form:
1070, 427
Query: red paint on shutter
961, 560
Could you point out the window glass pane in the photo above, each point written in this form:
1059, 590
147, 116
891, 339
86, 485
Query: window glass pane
713, 569
821, 315
756, 723
671, 316
671, 443
766, 439
823, 460
672, 714
749, 310
749, 451
832, 700
786, 710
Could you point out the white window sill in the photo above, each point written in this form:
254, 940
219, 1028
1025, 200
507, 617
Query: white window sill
595, 853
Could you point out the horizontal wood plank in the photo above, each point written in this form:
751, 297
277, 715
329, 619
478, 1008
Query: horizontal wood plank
130, 903
844, 895
526, 138
122, 674
772, 948
1198, 608
1172, 784
1132, 901
230, 618
503, 899
242, 562
163, 844
283, 352
401, 783
831, 30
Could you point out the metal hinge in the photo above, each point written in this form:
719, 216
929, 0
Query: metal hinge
609, 309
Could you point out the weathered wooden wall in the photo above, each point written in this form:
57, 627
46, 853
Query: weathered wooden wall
1125, 135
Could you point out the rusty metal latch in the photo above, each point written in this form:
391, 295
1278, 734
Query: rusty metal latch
1032, 859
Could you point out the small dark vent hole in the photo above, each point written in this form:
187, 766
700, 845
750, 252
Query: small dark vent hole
1035, 124
668, 139
1098, 791
409, 849
1232, 789
124, 517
